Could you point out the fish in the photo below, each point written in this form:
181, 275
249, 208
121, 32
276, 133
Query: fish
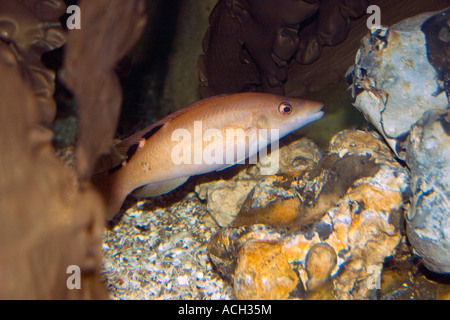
196, 140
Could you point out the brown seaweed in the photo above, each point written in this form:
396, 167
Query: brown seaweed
109, 29
29, 28
46, 224
49, 222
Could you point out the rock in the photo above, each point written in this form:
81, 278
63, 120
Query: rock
277, 211
320, 262
347, 223
223, 248
321, 73
391, 68
443, 293
298, 46
428, 157
400, 82
263, 272
225, 198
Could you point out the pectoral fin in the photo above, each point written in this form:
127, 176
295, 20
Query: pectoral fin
156, 189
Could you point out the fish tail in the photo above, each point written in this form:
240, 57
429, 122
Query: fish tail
113, 195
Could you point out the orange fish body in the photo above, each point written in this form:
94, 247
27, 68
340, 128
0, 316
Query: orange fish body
196, 140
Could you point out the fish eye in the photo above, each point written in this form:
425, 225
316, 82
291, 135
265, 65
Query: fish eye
285, 108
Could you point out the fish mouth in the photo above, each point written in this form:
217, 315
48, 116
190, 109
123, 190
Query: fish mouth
316, 112
318, 106
316, 115
311, 107
312, 117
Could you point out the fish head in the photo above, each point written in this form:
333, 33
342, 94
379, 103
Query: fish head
288, 114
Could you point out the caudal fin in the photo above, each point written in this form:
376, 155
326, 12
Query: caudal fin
110, 191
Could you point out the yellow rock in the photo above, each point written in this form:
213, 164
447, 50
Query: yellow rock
263, 272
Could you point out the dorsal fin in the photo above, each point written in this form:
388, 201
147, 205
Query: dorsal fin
127, 148
152, 131
123, 147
